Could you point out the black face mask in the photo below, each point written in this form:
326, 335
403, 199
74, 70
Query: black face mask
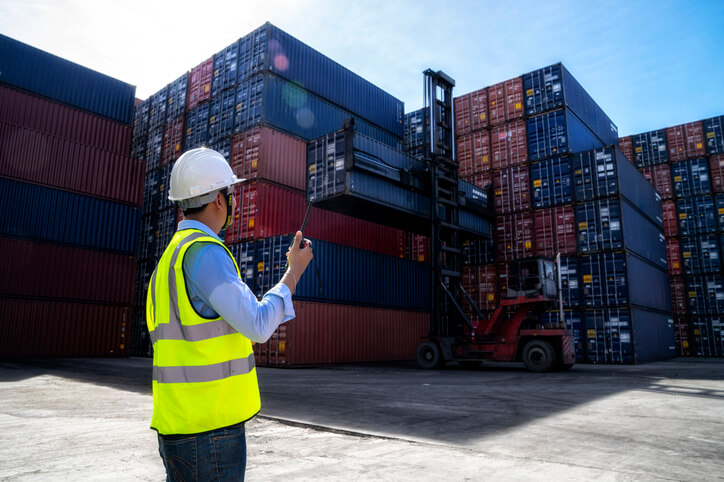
229, 208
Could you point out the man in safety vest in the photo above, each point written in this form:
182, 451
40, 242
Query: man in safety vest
202, 319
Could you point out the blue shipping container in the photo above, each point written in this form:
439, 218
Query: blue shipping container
157, 108
574, 322
414, 129
719, 202
154, 148
650, 148
691, 177
270, 49
697, 215
628, 336
177, 97
706, 333
606, 172
619, 278
269, 99
705, 294
43, 214
700, 254
221, 115
554, 87
615, 224
379, 280
551, 182
50, 76
225, 69
197, 127
714, 132
477, 252
140, 119
570, 284
557, 133
245, 256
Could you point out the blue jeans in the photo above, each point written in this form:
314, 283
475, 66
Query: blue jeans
216, 455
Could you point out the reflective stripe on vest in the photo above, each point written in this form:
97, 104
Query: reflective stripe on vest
204, 374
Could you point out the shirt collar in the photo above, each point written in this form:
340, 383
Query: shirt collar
191, 224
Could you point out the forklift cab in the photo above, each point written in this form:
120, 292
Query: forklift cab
533, 277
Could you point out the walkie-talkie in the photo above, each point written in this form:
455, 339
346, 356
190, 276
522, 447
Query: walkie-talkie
303, 242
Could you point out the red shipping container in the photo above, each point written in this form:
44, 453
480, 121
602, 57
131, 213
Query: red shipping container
484, 179
514, 236
173, 141
58, 120
514, 99
716, 166
462, 115
679, 300
264, 210
200, 83
496, 104
511, 189
469, 282
671, 226
555, 231
42, 328
479, 109
626, 146
41, 270
673, 256
487, 292
265, 153
473, 151
508, 145
30, 155
325, 333
686, 141
660, 177
418, 247
681, 336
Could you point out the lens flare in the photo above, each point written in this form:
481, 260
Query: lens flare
281, 62
293, 96
305, 118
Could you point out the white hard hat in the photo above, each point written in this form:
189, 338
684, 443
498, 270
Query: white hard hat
197, 177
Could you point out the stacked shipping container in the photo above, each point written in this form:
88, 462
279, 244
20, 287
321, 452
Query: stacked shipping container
541, 141
71, 196
257, 102
685, 164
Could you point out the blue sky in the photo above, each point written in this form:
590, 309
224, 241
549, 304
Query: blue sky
649, 64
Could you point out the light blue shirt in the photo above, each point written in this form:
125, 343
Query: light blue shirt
215, 289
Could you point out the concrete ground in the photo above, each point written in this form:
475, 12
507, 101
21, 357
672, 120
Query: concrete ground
88, 419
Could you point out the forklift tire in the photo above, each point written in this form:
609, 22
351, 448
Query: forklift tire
429, 356
539, 356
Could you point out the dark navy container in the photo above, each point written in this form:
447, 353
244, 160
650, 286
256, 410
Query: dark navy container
414, 129
705, 294
45, 74
223, 147
570, 282
245, 256
551, 182
140, 119
225, 69
618, 278
269, 99
472, 197
622, 335
154, 148
691, 177
197, 127
615, 224
650, 148
177, 97
271, 49
477, 252
151, 192
697, 215
43, 214
221, 115
557, 133
554, 87
714, 132
574, 322
719, 202
706, 336
165, 229
157, 108
700, 254
379, 280
604, 173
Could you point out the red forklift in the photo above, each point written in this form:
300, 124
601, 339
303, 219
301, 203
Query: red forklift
514, 332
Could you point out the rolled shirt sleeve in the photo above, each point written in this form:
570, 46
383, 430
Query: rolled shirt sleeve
215, 290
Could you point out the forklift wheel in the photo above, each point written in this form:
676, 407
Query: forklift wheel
429, 356
539, 356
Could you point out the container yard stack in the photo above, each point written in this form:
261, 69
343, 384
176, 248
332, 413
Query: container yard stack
72, 196
529, 139
258, 101
685, 164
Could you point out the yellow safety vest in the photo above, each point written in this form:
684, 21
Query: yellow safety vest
204, 376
